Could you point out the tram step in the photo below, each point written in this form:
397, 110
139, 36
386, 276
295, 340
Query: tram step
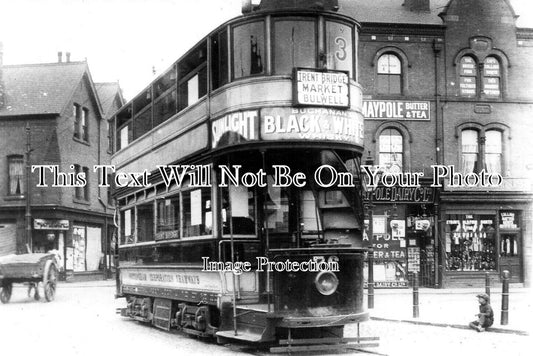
242, 335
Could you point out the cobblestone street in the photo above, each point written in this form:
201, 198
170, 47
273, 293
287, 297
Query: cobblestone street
82, 321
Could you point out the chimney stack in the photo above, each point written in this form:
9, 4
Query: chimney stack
417, 5
59, 57
67, 55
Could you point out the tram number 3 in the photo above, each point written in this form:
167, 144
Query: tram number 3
341, 53
330, 259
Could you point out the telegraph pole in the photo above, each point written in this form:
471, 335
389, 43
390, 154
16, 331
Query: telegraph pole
28, 190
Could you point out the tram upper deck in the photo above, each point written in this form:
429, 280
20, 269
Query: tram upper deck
268, 77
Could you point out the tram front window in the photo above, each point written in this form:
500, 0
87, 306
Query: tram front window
298, 48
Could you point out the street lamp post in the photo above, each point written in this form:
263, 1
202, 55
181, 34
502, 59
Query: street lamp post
27, 215
369, 161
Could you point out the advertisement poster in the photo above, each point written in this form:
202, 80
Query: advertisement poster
256, 177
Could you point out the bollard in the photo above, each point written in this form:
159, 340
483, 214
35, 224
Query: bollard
415, 295
371, 280
487, 283
505, 298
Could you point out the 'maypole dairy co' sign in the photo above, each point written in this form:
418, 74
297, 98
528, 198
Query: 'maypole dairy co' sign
321, 88
396, 110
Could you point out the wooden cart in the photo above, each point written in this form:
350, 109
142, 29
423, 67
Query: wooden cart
30, 268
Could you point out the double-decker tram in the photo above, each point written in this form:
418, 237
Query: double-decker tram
248, 226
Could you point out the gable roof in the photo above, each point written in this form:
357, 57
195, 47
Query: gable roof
107, 92
33, 89
392, 12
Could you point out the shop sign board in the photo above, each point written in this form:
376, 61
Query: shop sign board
390, 284
312, 124
508, 220
50, 224
415, 195
312, 87
396, 110
413, 259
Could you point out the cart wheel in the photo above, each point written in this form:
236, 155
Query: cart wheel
5, 293
50, 280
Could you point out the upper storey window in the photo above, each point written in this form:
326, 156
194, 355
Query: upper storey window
491, 77
391, 150
389, 74
294, 45
468, 77
339, 46
248, 49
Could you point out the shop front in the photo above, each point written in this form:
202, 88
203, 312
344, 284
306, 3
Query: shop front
78, 243
400, 229
476, 242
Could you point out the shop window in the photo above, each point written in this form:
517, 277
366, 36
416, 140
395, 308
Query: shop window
389, 74
219, 59
493, 151
339, 46
468, 77
145, 222
491, 77
470, 242
192, 76
168, 218
127, 225
248, 49
295, 45
391, 150
197, 215
469, 149
239, 203
15, 175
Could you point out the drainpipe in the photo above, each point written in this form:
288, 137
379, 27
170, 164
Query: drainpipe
437, 49
102, 203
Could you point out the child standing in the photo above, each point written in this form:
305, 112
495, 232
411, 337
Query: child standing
485, 316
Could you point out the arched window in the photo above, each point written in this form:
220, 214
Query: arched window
389, 74
468, 77
493, 151
491, 77
470, 150
391, 150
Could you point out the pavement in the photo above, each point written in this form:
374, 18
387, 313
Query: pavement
454, 307
450, 307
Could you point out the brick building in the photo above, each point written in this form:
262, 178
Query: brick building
65, 113
448, 83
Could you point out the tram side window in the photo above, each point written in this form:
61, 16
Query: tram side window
248, 49
242, 210
145, 222
124, 127
168, 215
197, 216
192, 76
127, 225
339, 46
219, 59
165, 97
294, 45
277, 208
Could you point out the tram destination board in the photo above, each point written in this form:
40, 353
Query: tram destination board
312, 87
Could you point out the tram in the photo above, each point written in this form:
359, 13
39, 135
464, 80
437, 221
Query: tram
262, 123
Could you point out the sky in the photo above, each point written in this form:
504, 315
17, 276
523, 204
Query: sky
122, 39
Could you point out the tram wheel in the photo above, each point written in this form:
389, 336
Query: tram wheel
50, 281
5, 293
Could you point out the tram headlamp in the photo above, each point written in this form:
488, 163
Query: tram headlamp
326, 282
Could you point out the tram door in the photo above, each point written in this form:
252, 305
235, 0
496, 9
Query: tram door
510, 255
